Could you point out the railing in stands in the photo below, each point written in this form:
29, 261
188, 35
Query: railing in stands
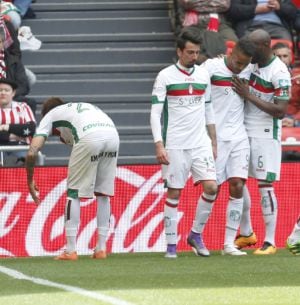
40, 159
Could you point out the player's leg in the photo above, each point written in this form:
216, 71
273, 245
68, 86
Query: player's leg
293, 241
236, 173
175, 176
247, 237
76, 176
171, 221
269, 210
233, 215
104, 188
268, 163
203, 171
72, 218
103, 220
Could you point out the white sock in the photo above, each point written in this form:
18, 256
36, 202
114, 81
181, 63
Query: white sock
103, 217
246, 225
269, 210
204, 208
72, 218
170, 220
233, 219
295, 235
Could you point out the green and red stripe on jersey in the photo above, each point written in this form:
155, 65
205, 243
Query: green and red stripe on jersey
221, 81
260, 84
186, 89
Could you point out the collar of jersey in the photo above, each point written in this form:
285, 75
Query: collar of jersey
269, 62
184, 71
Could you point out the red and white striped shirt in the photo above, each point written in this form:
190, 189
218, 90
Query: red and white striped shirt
18, 113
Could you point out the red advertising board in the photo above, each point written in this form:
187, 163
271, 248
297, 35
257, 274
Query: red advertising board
137, 212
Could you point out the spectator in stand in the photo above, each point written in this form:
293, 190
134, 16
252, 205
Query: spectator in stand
26, 11
12, 13
17, 122
292, 117
274, 16
209, 17
11, 67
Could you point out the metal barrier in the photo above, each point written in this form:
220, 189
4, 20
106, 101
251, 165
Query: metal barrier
40, 159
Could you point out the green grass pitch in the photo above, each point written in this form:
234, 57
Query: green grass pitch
149, 278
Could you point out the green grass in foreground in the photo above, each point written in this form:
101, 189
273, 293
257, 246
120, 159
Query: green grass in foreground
149, 278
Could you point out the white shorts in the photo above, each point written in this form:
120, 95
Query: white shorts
199, 161
93, 164
265, 159
232, 160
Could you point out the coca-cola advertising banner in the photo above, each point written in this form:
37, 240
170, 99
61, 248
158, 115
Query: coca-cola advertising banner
27, 229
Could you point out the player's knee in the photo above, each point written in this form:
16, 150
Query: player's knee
236, 186
210, 187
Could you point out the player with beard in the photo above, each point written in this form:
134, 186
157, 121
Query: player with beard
186, 143
233, 144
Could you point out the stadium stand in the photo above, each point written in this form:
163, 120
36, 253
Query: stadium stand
107, 53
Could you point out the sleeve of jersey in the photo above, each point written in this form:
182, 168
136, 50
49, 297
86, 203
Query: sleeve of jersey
209, 111
159, 93
45, 127
282, 85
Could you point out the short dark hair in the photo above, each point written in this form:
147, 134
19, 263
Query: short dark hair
51, 103
246, 46
280, 45
189, 33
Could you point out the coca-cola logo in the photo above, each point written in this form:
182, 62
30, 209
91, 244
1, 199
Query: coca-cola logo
137, 212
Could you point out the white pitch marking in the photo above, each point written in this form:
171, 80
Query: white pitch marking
93, 295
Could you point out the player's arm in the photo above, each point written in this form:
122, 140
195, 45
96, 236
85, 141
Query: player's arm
157, 101
35, 146
161, 154
210, 125
276, 109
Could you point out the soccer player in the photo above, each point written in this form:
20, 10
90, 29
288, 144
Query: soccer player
233, 145
182, 93
267, 98
92, 164
293, 241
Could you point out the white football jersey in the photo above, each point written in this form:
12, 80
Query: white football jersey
184, 96
74, 121
228, 106
269, 83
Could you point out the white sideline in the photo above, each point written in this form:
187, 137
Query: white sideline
93, 295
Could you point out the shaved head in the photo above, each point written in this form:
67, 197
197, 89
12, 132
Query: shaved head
262, 41
260, 37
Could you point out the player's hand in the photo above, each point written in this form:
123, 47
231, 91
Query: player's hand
240, 86
34, 191
161, 153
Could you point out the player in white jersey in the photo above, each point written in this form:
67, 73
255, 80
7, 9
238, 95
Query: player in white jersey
182, 93
17, 122
92, 164
233, 145
293, 241
267, 98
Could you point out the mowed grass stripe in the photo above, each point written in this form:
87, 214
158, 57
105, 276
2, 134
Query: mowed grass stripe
39, 281
149, 278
